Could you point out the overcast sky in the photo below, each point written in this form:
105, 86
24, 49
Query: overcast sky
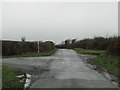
58, 21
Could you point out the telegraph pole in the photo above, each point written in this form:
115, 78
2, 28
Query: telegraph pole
38, 46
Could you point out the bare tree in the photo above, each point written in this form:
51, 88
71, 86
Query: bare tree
23, 39
74, 41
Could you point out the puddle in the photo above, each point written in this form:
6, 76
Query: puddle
26, 79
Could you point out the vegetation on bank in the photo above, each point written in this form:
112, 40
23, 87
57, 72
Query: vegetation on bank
89, 51
108, 62
10, 48
33, 54
110, 44
0, 76
9, 79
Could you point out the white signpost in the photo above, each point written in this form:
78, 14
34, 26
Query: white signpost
38, 46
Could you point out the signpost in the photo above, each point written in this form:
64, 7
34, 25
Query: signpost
38, 46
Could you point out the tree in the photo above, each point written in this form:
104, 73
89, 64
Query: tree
74, 41
23, 39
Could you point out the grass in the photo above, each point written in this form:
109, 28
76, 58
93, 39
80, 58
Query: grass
88, 51
0, 76
9, 79
108, 62
33, 54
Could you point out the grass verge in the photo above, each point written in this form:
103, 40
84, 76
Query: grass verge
88, 51
9, 79
33, 54
108, 62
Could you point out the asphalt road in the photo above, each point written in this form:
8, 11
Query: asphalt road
65, 69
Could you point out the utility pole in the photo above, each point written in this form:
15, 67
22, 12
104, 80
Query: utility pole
38, 46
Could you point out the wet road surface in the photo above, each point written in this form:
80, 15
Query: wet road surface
65, 69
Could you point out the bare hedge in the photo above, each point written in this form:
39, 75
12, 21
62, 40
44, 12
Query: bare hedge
19, 47
111, 44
